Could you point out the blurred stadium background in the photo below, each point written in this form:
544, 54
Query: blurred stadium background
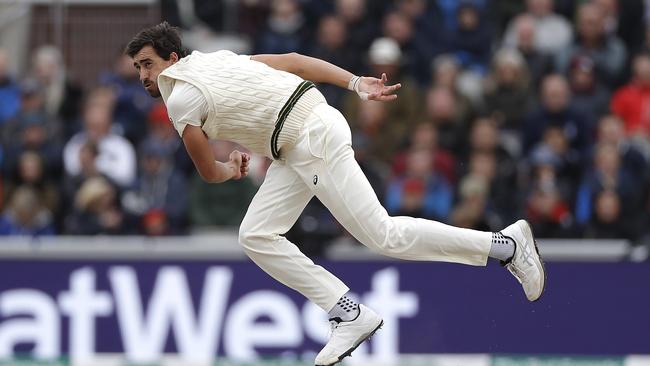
113, 252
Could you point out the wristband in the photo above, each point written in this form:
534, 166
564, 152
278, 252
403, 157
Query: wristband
353, 85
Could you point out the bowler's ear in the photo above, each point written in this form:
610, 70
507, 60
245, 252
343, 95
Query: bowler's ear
173, 57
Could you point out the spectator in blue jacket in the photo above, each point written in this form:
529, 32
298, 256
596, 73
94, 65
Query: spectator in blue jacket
421, 191
132, 102
607, 173
158, 198
25, 215
471, 41
9, 92
557, 111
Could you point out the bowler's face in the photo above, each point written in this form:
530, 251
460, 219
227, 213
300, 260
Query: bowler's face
149, 66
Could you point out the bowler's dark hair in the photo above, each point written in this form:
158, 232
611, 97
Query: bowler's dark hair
164, 39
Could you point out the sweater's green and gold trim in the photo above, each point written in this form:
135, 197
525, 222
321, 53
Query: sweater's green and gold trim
284, 112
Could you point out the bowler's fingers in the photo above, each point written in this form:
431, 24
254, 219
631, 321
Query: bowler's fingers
386, 94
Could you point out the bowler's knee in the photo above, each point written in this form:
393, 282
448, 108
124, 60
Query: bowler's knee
389, 236
246, 235
251, 239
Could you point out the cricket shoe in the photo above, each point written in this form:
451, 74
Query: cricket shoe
346, 336
526, 265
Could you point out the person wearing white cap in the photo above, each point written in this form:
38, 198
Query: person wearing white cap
386, 57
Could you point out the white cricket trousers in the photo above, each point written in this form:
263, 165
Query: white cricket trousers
322, 163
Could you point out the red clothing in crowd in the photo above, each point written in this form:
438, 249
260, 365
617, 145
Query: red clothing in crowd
632, 104
443, 162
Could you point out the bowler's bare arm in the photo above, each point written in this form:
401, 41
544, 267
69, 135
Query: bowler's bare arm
319, 71
212, 171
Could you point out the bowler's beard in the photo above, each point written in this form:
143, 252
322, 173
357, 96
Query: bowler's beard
154, 92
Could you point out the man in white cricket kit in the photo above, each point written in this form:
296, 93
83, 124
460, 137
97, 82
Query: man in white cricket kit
269, 104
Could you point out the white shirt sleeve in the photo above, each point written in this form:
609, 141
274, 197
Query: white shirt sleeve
186, 105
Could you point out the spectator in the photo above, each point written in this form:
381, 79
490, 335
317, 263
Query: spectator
443, 112
482, 164
632, 101
95, 210
331, 46
607, 51
607, 173
359, 21
546, 210
116, 159
9, 92
2, 178
472, 39
554, 150
31, 173
553, 33
88, 153
449, 11
132, 102
416, 52
624, 18
161, 131
611, 130
61, 97
556, 110
484, 137
607, 221
158, 198
251, 17
507, 89
447, 73
384, 137
421, 191
590, 96
25, 216
31, 108
472, 210
233, 196
425, 136
428, 24
485, 145
539, 63
285, 29
385, 56
33, 136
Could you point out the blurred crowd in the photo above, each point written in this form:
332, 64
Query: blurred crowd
507, 109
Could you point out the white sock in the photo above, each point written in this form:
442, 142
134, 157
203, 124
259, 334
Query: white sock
502, 248
344, 310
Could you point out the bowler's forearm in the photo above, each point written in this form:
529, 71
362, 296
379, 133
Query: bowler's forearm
308, 68
225, 172
317, 70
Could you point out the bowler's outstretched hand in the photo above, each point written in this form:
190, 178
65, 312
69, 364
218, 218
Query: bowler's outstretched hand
376, 89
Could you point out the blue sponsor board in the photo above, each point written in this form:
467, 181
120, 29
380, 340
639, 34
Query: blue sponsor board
201, 309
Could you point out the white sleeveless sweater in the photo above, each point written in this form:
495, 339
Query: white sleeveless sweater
244, 98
